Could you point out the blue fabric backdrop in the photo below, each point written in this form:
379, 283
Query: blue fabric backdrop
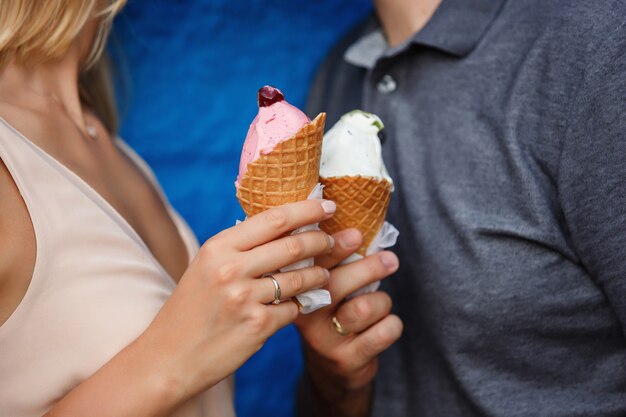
194, 68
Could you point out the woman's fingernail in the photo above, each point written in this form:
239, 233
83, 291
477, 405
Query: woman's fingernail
350, 239
329, 207
326, 273
331, 241
389, 260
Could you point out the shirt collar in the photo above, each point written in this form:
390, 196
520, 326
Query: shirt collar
456, 27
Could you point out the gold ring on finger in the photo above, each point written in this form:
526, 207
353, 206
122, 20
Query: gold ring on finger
338, 327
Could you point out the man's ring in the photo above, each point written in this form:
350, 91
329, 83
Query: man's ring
339, 328
277, 291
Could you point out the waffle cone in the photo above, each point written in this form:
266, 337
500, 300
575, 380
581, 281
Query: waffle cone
285, 175
361, 203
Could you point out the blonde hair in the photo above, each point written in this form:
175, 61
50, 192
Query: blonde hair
40, 30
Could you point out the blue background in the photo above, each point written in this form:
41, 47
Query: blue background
192, 69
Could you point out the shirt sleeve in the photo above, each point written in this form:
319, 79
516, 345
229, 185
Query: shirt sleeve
592, 173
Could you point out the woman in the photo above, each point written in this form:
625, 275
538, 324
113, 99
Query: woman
105, 307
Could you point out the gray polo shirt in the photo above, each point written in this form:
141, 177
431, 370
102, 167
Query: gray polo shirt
506, 138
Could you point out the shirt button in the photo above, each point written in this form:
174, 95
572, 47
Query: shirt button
387, 84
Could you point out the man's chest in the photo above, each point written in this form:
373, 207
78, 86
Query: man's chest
459, 141
474, 151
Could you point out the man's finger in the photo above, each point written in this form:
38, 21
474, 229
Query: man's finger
368, 345
346, 279
347, 242
360, 313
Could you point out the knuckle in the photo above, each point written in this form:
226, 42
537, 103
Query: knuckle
382, 270
294, 246
383, 336
323, 241
375, 269
389, 333
321, 276
297, 281
362, 308
237, 296
277, 217
259, 321
372, 267
348, 315
208, 251
227, 272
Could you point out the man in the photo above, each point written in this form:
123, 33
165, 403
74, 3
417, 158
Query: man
506, 139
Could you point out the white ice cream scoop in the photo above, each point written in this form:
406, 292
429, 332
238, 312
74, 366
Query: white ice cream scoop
352, 147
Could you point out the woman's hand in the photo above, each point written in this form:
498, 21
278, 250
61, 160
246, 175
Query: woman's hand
341, 367
216, 318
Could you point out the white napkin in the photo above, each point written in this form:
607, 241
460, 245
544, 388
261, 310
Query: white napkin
314, 299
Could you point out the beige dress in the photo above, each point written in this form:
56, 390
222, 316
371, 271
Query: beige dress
94, 289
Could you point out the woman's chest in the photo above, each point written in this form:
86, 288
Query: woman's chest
126, 189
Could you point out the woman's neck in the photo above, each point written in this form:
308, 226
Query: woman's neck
39, 83
401, 19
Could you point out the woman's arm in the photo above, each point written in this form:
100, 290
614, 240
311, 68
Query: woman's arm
138, 381
217, 317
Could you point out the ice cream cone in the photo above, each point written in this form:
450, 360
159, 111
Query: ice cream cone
285, 175
361, 203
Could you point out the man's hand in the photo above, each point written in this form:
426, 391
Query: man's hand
341, 367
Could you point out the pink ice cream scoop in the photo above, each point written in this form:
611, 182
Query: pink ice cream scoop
276, 122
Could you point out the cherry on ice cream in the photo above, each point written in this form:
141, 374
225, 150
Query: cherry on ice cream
269, 95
